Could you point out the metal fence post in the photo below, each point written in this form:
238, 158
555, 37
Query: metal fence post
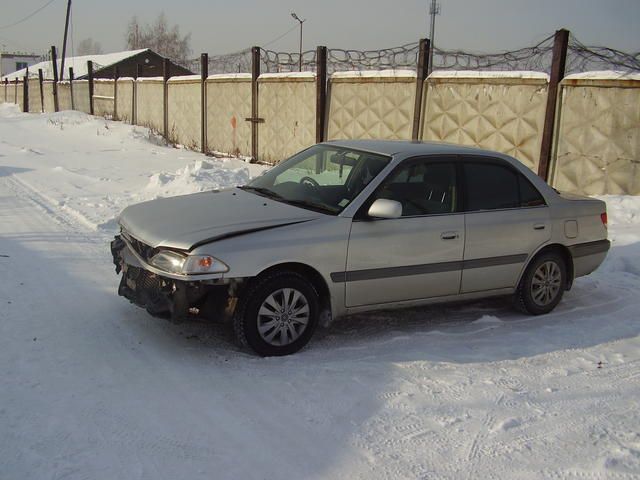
15, 91
54, 60
90, 74
560, 46
41, 82
255, 73
321, 93
134, 96
73, 104
204, 73
116, 74
165, 90
422, 72
6, 85
25, 93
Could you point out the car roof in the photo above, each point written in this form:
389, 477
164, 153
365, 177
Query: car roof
408, 147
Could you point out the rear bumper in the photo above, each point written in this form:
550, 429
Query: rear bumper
588, 256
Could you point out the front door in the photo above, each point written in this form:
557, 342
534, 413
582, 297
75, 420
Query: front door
416, 256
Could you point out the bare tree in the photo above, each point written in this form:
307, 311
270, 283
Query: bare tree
89, 47
159, 37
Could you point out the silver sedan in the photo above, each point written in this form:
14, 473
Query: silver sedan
354, 226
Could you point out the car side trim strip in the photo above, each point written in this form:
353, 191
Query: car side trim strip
589, 248
405, 271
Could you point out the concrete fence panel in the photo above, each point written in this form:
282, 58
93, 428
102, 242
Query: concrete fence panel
373, 104
47, 88
35, 103
20, 95
228, 105
104, 97
125, 99
502, 111
150, 103
287, 105
598, 134
184, 110
64, 96
81, 96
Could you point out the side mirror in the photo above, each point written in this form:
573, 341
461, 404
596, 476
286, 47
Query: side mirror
383, 208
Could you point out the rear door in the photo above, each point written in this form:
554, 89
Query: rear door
506, 220
418, 255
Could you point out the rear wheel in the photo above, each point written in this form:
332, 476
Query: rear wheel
542, 285
277, 314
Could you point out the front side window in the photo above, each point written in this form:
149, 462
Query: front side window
325, 178
423, 187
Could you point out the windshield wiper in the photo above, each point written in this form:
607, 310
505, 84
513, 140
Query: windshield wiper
262, 191
311, 206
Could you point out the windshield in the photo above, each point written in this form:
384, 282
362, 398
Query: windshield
325, 178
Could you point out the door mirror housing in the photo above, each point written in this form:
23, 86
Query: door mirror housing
384, 208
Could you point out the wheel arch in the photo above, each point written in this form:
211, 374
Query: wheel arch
314, 276
553, 247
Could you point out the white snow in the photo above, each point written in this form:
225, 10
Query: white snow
79, 64
93, 387
374, 74
288, 75
603, 75
524, 74
229, 76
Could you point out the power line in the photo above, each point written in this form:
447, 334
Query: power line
28, 16
281, 36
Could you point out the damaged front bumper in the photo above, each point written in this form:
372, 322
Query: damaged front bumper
161, 293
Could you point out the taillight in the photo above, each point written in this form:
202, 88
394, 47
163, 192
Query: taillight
603, 217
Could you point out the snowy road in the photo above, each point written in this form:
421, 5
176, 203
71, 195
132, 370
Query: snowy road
93, 388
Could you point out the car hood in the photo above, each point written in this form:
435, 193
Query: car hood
187, 221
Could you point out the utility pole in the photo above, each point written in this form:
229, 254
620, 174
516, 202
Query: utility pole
64, 42
434, 9
301, 22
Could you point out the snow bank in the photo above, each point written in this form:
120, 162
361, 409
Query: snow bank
93, 168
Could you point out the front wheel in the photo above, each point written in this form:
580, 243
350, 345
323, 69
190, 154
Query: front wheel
542, 285
277, 314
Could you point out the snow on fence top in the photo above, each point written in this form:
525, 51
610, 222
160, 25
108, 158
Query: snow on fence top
288, 76
524, 74
375, 75
225, 77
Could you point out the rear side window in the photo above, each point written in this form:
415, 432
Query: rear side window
490, 187
529, 195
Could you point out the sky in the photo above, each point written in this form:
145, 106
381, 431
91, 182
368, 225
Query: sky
218, 27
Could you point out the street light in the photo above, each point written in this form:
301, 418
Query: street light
301, 22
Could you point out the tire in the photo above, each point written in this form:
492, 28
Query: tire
542, 285
258, 324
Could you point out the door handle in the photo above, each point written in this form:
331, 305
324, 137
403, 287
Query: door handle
539, 226
449, 235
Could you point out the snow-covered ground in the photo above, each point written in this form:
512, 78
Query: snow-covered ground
92, 387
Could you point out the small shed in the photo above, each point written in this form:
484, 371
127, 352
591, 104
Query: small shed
104, 66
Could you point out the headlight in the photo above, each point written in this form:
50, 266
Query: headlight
204, 264
169, 261
174, 262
